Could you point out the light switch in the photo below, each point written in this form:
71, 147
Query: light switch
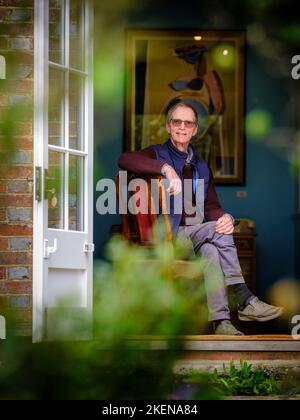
241, 194
2, 67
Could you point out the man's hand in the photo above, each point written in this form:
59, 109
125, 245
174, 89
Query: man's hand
225, 225
174, 180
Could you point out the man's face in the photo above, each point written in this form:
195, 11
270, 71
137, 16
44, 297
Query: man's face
182, 126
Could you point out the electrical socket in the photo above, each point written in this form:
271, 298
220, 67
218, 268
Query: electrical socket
241, 194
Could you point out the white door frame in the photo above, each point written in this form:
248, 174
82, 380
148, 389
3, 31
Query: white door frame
41, 66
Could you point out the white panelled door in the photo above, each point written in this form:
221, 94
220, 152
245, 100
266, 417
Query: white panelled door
63, 214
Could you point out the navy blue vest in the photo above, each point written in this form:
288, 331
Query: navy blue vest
168, 153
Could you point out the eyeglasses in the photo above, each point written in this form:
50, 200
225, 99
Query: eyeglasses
178, 123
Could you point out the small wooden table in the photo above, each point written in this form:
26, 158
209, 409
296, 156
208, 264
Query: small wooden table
246, 248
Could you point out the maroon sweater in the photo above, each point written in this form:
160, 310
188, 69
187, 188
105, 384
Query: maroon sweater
144, 162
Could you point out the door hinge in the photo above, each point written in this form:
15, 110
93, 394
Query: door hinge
88, 247
48, 250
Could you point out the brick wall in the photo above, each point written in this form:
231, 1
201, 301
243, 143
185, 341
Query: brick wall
16, 159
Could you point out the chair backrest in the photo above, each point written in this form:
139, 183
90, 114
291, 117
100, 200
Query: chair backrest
143, 203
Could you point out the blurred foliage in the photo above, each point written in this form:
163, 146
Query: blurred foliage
258, 124
140, 291
133, 299
10, 118
224, 56
286, 293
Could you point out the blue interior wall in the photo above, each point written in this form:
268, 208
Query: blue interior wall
269, 184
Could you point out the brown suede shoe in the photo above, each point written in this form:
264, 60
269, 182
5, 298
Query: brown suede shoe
225, 327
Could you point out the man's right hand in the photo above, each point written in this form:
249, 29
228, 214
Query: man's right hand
174, 180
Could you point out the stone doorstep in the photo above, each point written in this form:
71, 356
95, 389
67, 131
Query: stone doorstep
184, 367
282, 367
272, 398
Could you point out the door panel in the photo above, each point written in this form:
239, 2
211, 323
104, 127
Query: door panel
69, 251
67, 288
63, 213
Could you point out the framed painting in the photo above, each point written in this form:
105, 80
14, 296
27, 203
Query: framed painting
205, 68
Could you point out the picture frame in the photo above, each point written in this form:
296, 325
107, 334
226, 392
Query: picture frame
204, 68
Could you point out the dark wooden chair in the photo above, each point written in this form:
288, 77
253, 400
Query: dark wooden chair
146, 222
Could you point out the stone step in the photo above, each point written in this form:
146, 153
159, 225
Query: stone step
197, 348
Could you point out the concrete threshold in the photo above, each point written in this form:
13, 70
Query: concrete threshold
185, 367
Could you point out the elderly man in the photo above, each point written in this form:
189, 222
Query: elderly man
211, 238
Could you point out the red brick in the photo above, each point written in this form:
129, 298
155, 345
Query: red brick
23, 29
16, 287
15, 230
24, 143
3, 287
23, 316
16, 200
4, 14
3, 302
2, 186
20, 86
19, 57
3, 100
18, 172
5, 28
21, 128
3, 217
24, 129
3, 244
19, 3
13, 258
3, 43
18, 187
3, 273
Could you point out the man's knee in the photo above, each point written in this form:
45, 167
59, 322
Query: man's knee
222, 239
209, 251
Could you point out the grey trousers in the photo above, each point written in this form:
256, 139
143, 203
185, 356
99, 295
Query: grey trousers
221, 266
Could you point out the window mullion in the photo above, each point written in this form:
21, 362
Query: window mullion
67, 111
67, 34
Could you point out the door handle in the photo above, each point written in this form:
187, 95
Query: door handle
48, 250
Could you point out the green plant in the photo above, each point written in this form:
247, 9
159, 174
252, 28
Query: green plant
245, 381
132, 298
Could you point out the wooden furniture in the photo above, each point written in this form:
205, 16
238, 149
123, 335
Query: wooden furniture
139, 216
246, 248
145, 221
138, 228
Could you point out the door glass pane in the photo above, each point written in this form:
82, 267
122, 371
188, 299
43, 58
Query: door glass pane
76, 193
55, 190
76, 116
56, 31
76, 34
56, 107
